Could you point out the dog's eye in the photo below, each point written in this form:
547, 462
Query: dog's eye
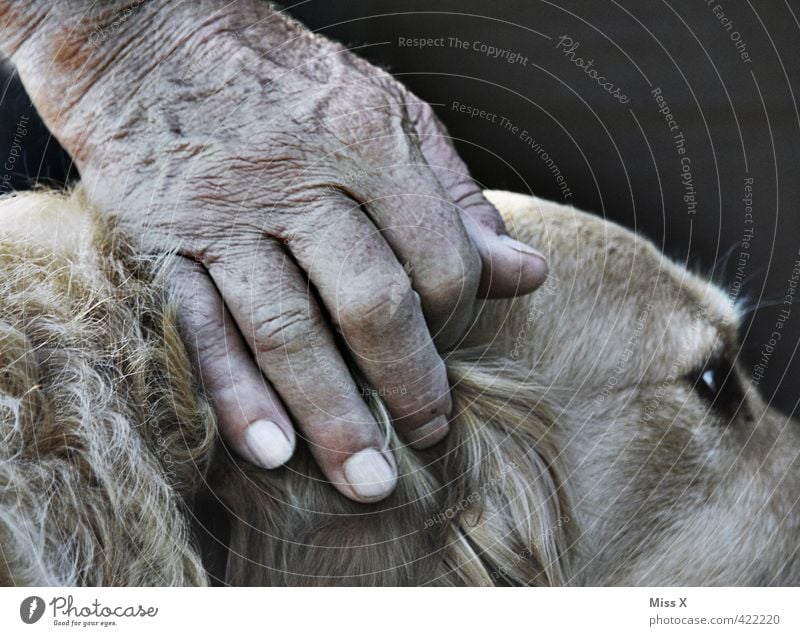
710, 382
718, 383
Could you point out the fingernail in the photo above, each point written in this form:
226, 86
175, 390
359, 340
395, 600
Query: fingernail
268, 444
370, 475
516, 245
429, 434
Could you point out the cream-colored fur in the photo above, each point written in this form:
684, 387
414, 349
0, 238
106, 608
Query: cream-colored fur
584, 448
667, 488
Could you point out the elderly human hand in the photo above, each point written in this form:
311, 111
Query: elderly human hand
320, 208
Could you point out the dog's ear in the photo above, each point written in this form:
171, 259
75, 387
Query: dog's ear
482, 508
520, 524
290, 527
22, 407
102, 429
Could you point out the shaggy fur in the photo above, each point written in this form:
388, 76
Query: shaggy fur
581, 452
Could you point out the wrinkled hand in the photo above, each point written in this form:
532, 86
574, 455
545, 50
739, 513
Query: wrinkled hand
320, 207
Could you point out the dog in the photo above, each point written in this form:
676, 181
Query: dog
603, 433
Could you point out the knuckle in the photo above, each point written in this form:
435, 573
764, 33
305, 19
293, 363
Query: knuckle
286, 333
381, 309
424, 118
461, 280
425, 404
199, 312
376, 122
204, 335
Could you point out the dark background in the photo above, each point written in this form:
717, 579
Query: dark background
739, 119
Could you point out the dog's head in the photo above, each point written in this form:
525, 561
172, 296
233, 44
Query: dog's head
603, 434
678, 471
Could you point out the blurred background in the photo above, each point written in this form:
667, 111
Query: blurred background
678, 119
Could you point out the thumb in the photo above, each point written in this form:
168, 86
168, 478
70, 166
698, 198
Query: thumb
509, 267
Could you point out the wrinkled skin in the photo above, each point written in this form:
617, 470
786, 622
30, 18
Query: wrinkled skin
320, 207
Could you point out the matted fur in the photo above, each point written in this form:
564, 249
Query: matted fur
579, 452
103, 435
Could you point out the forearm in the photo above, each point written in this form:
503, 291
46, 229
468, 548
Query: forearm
38, 28
85, 62
62, 49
